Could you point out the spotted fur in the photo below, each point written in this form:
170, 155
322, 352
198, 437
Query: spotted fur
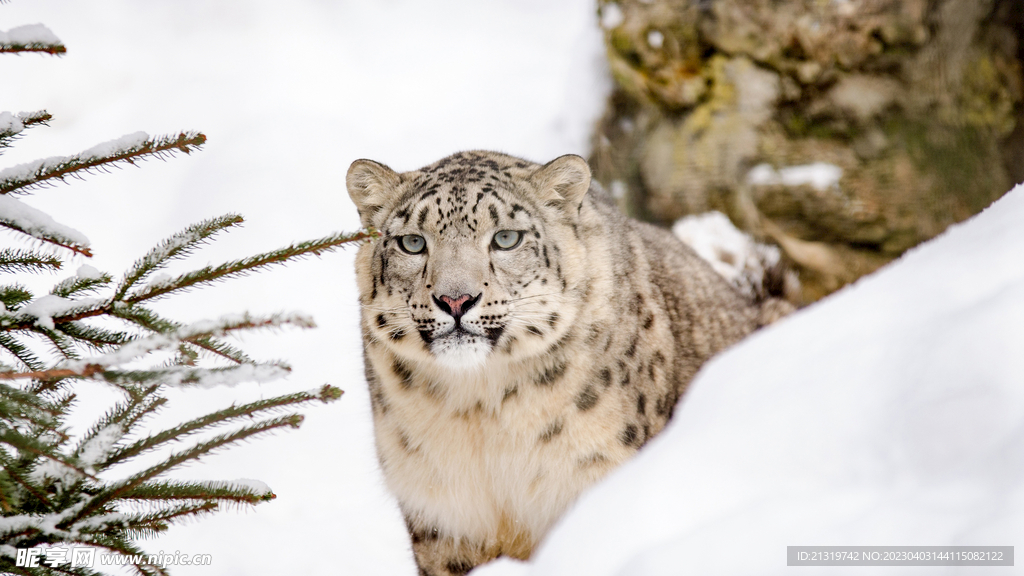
506, 381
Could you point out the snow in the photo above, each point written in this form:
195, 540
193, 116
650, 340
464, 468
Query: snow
887, 414
114, 147
819, 175
86, 272
37, 223
732, 253
44, 308
611, 16
10, 124
29, 34
255, 486
655, 39
98, 447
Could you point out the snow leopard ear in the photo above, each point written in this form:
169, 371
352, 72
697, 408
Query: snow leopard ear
372, 186
563, 181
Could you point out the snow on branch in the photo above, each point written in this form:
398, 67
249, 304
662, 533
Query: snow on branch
177, 246
129, 148
12, 124
101, 367
20, 217
31, 38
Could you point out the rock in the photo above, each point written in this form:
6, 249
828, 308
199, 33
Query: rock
918, 103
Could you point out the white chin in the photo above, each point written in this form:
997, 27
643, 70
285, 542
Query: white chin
461, 355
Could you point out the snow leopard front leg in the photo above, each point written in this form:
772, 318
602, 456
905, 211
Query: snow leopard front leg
439, 554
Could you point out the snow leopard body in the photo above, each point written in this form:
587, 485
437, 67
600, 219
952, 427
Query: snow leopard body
505, 378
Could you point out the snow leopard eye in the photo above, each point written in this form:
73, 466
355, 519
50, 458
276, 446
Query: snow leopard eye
507, 239
412, 243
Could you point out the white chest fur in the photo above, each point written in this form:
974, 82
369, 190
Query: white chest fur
512, 461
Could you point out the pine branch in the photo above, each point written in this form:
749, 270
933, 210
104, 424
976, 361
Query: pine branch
13, 472
245, 266
151, 321
115, 490
190, 333
207, 275
325, 394
62, 345
149, 525
14, 295
11, 125
27, 261
52, 49
29, 444
129, 149
177, 246
19, 351
20, 217
190, 376
77, 285
99, 339
183, 490
18, 404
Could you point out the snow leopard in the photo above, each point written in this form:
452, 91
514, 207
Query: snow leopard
522, 337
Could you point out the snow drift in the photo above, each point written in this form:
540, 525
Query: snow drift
891, 413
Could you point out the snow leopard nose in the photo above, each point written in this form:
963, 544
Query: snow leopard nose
456, 307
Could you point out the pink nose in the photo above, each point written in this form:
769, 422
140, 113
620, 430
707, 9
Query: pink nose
455, 304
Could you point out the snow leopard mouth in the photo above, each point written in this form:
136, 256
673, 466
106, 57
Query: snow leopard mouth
460, 335
460, 348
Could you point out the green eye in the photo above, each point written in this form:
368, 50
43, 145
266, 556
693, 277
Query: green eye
507, 239
412, 243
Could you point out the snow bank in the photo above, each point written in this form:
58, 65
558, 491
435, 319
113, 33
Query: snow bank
888, 414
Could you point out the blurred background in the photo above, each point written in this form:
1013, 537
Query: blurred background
843, 132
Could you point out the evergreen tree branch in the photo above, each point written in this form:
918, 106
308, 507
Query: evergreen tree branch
14, 295
149, 525
11, 125
181, 490
24, 443
204, 276
177, 246
61, 344
192, 376
27, 261
325, 394
115, 490
16, 403
13, 472
52, 49
99, 339
210, 274
46, 236
151, 321
77, 285
29, 176
223, 349
20, 352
